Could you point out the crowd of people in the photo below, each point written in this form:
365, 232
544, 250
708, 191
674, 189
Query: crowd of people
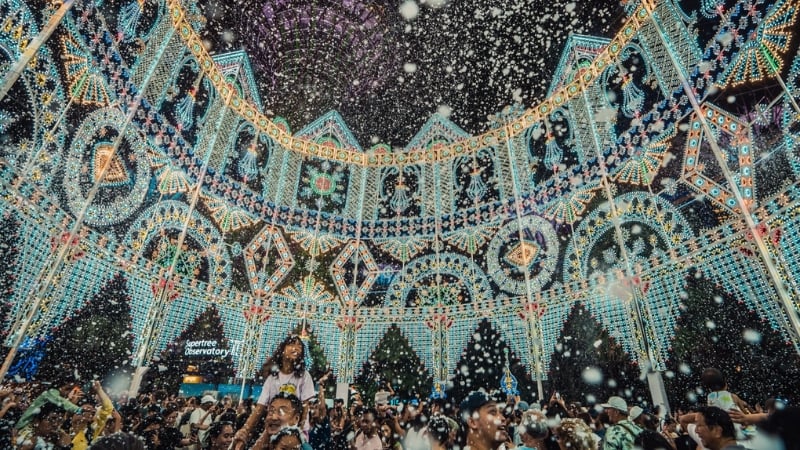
292, 414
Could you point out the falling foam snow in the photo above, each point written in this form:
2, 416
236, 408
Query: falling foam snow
409, 10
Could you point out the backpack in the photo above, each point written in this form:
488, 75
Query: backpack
649, 440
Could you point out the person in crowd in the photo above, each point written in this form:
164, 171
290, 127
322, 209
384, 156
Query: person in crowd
283, 411
288, 374
43, 430
219, 436
118, 441
288, 438
439, 432
65, 396
201, 418
715, 429
319, 434
389, 439
415, 420
367, 437
574, 434
484, 423
621, 434
533, 430
88, 424
780, 430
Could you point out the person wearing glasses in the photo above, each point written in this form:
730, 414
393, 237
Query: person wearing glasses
288, 375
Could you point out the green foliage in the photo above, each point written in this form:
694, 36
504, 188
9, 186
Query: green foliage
394, 361
169, 371
716, 330
588, 366
96, 340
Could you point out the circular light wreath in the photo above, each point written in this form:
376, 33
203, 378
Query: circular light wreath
451, 264
172, 215
510, 255
83, 148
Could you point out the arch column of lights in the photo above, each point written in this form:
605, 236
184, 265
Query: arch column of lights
45, 281
48, 281
164, 290
766, 256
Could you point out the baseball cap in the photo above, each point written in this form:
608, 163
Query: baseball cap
208, 399
523, 406
635, 412
472, 403
617, 403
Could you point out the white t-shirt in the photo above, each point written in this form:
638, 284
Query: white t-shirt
364, 443
302, 387
198, 414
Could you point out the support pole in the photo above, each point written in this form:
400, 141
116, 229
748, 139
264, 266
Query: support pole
16, 70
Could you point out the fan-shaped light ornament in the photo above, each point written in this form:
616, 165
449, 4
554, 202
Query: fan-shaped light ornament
761, 56
569, 208
87, 85
227, 217
642, 164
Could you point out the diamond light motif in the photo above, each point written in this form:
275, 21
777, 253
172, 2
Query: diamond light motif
523, 254
265, 274
354, 263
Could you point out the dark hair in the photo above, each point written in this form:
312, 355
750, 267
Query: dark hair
215, 430
716, 417
277, 357
783, 424
369, 410
712, 379
439, 428
286, 431
118, 441
297, 405
49, 408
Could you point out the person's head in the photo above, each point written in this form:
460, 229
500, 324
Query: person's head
207, 402
171, 417
368, 422
286, 439
439, 430
49, 418
219, 435
533, 427
483, 420
712, 380
283, 411
779, 430
84, 417
290, 351
616, 408
714, 427
118, 441
574, 434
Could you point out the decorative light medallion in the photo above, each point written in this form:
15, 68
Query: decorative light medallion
527, 247
701, 168
268, 260
122, 190
354, 271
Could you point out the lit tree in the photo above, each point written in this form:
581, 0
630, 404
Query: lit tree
482, 365
96, 340
717, 330
9, 231
588, 366
394, 361
173, 364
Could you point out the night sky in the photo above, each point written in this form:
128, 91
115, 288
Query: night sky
386, 66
